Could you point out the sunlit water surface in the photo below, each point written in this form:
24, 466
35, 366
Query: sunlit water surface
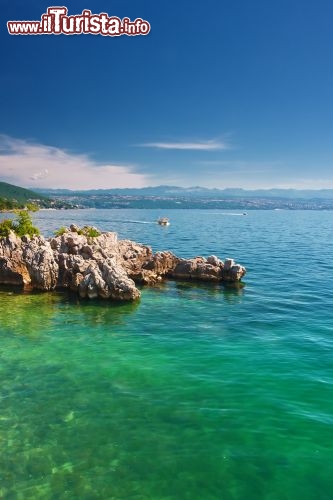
195, 392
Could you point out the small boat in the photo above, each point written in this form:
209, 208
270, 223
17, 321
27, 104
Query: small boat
163, 221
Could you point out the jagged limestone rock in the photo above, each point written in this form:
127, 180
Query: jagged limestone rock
101, 266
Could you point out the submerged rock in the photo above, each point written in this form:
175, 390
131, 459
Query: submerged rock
101, 266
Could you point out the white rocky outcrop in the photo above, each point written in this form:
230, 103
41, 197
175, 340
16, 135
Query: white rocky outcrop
101, 266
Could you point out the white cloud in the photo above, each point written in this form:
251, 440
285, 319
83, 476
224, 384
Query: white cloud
32, 165
36, 165
211, 145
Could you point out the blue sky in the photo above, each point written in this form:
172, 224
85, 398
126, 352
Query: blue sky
219, 94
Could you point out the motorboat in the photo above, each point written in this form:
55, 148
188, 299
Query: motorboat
163, 221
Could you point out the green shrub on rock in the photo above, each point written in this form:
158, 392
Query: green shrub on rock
23, 225
89, 231
62, 230
6, 226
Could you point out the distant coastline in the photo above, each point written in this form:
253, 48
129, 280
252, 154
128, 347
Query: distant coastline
165, 198
161, 203
171, 203
174, 197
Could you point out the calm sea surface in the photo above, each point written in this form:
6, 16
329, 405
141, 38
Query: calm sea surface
195, 392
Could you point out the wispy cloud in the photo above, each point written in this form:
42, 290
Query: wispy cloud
37, 165
211, 145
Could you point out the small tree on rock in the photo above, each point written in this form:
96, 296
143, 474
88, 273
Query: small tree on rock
24, 224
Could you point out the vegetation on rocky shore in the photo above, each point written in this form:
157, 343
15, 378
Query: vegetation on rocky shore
21, 226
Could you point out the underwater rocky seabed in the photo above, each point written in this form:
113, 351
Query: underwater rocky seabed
193, 392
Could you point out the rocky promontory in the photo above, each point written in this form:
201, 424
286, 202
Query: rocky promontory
101, 266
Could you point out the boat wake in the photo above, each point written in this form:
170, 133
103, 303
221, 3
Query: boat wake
224, 213
134, 221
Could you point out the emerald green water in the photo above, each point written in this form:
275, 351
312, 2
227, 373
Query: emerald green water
196, 392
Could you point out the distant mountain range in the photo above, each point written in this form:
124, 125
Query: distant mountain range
168, 197
198, 192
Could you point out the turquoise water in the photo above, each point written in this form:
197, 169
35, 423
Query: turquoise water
195, 392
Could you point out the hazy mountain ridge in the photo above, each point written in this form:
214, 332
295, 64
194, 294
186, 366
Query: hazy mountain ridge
197, 192
170, 197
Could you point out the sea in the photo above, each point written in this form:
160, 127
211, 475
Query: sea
195, 392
